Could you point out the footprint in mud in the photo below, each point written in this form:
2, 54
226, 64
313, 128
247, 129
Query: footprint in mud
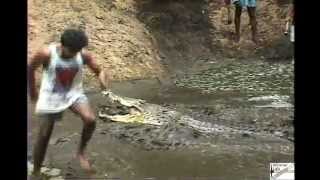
61, 141
105, 131
74, 170
136, 134
70, 172
123, 136
147, 129
129, 127
158, 143
196, 134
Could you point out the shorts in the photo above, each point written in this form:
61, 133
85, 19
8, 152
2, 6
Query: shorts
247, 3
58, 116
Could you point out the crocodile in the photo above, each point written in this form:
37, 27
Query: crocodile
137, 113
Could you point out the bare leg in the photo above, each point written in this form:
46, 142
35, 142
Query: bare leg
229, 14
89, 124
46, 127
253, 22
237, 21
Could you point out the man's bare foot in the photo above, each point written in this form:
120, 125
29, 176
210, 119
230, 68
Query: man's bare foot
84, 163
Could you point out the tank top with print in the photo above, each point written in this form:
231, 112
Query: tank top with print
61, 83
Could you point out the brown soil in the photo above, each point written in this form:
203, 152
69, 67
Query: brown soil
149, 38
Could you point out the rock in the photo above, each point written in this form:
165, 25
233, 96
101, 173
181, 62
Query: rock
54, 172
44, 170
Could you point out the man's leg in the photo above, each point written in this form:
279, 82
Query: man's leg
229, 14
87, 115
237, 21
253, 22
40, 148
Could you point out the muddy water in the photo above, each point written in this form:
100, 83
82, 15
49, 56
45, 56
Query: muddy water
113, 157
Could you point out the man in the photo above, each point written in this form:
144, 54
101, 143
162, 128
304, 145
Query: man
61, 89
251, 7
290, 23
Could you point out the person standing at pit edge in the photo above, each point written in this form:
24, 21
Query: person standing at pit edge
61, 89
290, 26
290, 23
251, 7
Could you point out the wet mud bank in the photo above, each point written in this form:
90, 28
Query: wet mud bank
231, 133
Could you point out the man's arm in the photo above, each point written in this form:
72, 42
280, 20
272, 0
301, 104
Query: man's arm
103, 76
290, 13
40, 58
289, 19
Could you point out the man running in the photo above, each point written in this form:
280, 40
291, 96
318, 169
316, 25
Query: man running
251, 7
61, 89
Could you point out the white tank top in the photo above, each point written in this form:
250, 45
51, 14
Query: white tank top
61, 83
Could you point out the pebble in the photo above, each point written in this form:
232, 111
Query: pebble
53, 172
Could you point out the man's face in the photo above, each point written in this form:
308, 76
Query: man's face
68, 53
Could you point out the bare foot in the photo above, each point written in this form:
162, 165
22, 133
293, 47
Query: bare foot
84, 163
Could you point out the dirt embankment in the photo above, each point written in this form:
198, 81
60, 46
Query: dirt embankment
120, 42
188, 31
142, 39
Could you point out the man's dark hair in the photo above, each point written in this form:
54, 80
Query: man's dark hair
74, 39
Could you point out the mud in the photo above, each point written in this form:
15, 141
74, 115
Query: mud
226, 108
245, 138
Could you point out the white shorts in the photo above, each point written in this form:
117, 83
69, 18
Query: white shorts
58, 116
